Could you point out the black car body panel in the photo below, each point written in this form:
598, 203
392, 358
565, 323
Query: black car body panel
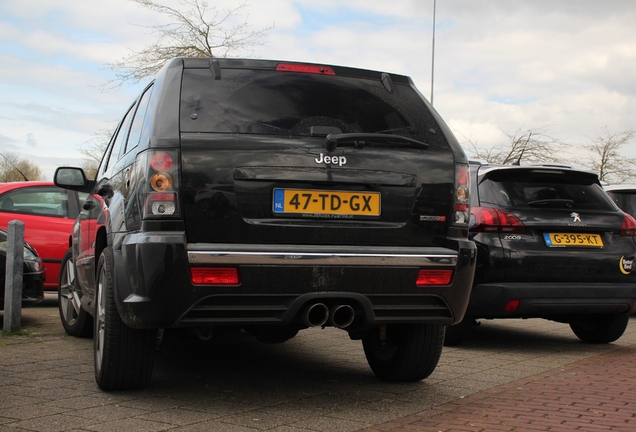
237, 196
300, 275
550, 279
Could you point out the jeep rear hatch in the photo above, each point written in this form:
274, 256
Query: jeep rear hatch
309, 157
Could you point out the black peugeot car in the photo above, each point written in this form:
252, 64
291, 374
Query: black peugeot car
270, 197
551, 244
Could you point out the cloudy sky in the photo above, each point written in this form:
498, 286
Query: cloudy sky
500, 65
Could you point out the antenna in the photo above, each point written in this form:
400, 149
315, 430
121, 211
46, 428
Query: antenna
15, 167
433, 53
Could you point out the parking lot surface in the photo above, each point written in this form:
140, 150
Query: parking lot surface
512, 375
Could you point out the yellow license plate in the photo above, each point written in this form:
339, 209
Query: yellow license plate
326, 202
570, 239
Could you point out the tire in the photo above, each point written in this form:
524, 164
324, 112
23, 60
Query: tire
75, 320
410, 352
600, 329
123, 355
458, 334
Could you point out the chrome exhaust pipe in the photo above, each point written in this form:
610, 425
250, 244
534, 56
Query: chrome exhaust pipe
315, 315
204, 333
341, 316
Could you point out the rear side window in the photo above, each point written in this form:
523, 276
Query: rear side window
626, 201
528, 189
138, 122
120, 141
282, 103
41, 201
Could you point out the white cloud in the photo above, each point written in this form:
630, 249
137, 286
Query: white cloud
30, 140
500, 64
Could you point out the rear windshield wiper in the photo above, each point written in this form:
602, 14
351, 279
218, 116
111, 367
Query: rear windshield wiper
359, 140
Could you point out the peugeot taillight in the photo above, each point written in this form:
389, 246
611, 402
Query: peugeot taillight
628, 229
161, 198
487, 219
461, 213
511, 306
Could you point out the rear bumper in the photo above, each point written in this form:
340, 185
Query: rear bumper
549, 300
32, 286
279, 281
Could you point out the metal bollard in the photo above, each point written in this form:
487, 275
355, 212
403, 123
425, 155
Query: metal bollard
13, 276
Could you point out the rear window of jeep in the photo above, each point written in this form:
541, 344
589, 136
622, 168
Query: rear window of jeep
282, 103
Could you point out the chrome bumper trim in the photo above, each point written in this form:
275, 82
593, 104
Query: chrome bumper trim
338, 258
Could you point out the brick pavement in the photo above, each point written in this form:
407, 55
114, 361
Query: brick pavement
595, 394
513, 375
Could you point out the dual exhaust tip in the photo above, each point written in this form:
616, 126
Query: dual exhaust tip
319, 314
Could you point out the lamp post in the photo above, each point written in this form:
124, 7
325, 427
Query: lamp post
433, 53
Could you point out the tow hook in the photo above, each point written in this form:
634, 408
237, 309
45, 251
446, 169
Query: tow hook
159, 339
382, 334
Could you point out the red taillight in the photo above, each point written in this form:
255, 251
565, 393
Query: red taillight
214, 276
463, 176
434, 277
511, 306
312, 69
161, 161
629, 226
488, 219
162, 194
461, 215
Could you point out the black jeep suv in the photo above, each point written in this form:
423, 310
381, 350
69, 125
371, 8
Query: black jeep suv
551, 244
271, 197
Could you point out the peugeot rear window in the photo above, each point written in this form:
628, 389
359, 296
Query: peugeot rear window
626, 200
541, 189
283, 103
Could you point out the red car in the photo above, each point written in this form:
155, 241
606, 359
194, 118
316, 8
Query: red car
48, 213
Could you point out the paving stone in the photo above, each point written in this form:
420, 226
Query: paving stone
524, 374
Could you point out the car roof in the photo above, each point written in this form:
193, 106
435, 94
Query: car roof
4, 187
620, 188
485, 168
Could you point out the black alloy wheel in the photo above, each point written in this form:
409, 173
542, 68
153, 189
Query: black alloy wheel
75, 320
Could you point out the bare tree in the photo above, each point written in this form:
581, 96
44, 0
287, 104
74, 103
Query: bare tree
606, 159
12, 169
529, 146
93, 151
198, 31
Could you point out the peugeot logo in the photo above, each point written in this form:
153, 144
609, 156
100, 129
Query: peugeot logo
576, 217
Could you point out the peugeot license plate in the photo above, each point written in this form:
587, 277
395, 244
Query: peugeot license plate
571, 239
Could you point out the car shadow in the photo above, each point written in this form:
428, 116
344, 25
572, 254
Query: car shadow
510, 334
